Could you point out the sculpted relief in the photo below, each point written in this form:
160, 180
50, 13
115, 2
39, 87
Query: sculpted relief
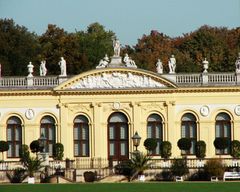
116, 80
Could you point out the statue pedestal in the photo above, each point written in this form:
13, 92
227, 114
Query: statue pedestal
44, 158
116, 62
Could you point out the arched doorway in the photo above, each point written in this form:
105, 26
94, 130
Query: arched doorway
118, 145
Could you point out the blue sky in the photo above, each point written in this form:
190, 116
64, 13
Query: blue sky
129, 19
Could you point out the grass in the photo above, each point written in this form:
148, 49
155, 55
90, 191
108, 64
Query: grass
128, 187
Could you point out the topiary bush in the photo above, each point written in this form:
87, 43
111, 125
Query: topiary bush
35, 146
235, 149
221, 143
58, 149
24, 153
165, 149
3, 146
200, 149
150, 144
184, 144
89, 176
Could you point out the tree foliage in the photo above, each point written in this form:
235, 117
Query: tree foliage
58, 150
150, 144
84, 49
165, 149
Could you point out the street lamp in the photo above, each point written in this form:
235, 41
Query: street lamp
42, 142
136, 139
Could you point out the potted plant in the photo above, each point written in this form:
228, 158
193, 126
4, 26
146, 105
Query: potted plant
184, 144
235, 151
89, 176
31, 164
150, 144
165, 152
3, 147
35, 146
139, 163
200, 149
221, 143
58, 149
179, 168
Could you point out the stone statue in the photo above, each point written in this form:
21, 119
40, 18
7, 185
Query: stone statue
43, 69
116, 47
103, 62
63, 67
237, 64
129, 62
159, 66
172, 64
30, 69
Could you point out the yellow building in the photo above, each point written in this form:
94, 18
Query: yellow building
95, 114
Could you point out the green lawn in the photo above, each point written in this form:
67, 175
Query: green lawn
125, 187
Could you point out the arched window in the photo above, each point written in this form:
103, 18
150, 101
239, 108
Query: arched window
81, 136
14, 136
49, 130
223, 129
155, 130
189, 130
118, 136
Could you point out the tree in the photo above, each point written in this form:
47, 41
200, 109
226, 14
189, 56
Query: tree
94, 44
58, 149
165, 149
200, 149
139, 163
179, 167
221, 143
35, 146
24, 153
235, 149
151, 47
17, 48
3, 147
184, 144
150, 144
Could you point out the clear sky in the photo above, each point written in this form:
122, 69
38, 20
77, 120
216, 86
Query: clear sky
129, 19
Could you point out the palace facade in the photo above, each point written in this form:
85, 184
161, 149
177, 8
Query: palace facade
96, 113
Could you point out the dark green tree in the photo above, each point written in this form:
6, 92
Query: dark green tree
58, 150
17, 48
3, 146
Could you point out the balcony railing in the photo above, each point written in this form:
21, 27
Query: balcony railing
103, 163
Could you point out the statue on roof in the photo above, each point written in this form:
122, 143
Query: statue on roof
116, 47
62, 63
159, 66
43, 69
129, 62
237, 64
103, 62
172, 64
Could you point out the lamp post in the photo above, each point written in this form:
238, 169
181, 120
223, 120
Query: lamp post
42, 143
136, 140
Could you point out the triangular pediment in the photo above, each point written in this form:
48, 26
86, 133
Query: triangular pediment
116, 78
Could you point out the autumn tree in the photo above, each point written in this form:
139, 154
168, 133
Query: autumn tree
151, 47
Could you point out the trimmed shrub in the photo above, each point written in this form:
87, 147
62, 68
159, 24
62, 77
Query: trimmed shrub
35, 146
58, 149
221, 143
235, 149
24, 153
3, 146
89, 176
165, 149
200, 149
184, 144
150, 144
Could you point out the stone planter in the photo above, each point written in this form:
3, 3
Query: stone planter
31, 180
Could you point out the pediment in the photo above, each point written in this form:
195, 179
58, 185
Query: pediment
116, 78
